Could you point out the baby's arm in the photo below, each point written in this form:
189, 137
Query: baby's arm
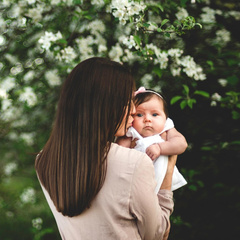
175, 144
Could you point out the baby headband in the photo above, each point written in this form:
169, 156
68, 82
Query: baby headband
143, 90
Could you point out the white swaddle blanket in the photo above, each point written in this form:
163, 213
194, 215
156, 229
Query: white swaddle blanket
161, 163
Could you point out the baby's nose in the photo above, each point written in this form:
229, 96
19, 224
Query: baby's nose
147, 118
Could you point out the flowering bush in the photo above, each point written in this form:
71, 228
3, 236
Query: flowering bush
189, 50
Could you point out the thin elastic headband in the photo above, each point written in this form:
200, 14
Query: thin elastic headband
143, 90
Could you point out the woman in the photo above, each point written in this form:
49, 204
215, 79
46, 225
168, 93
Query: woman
95, 188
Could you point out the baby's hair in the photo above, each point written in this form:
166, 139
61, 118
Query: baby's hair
145, 96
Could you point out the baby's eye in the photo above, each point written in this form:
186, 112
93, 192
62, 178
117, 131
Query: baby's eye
155, 114
139, 115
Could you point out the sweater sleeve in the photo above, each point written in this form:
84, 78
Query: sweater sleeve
152, 212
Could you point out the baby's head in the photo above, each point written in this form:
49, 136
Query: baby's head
151, 112
143, 95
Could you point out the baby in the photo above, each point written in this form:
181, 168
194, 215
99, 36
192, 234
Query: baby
154, 133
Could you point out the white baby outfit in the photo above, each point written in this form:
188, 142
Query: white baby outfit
161, 163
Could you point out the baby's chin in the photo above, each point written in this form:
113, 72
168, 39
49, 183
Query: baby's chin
148, 134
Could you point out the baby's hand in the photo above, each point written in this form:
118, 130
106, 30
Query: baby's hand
153, 151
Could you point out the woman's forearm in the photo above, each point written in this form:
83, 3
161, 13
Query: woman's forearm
167, 181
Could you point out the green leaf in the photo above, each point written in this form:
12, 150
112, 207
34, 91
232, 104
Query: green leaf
160, 7
175, 99
192, 187
210, 63
137, 40
206, 148
202, 93
186, 88
183, 104
158, 71
167, 34
164, 21
146, 25
190, 102
198, 24
235, 115
77, 1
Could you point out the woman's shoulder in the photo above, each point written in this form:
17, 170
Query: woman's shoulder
128, 155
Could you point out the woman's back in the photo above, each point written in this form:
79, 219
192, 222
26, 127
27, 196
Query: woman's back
126, 197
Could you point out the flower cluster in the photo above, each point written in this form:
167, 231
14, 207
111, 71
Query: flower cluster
37, 223
48, 39
125, 9
9, 168
28, 196
179, 62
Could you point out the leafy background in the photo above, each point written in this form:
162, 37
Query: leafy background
188, 50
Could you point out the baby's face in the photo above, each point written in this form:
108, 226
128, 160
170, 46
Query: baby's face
149, 118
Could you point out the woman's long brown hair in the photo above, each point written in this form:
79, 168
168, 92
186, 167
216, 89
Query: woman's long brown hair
72, 165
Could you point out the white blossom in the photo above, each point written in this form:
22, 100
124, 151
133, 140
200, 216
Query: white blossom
2, 40
181, 14
49, 38
6, 103
28, 96
116, 52
35, 14
102, 48
55, 2
16, 69
31, 1
129, 56
191, 68
12, 59
9, 214
37, 223
128, 41
28, 138
13, 136
3, 24
7, 84
28, 195
53, 78
223, 82
98, 3
96, 26
10, 112
175, 70
222, 37
67, 54
15, 11
29, 76
216, 97
124, 9
146, 80
5, 3
208, 16
175, 52
20, 122
85, 47
213, 103
9, 168
68, 2
162, 58
235, 14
